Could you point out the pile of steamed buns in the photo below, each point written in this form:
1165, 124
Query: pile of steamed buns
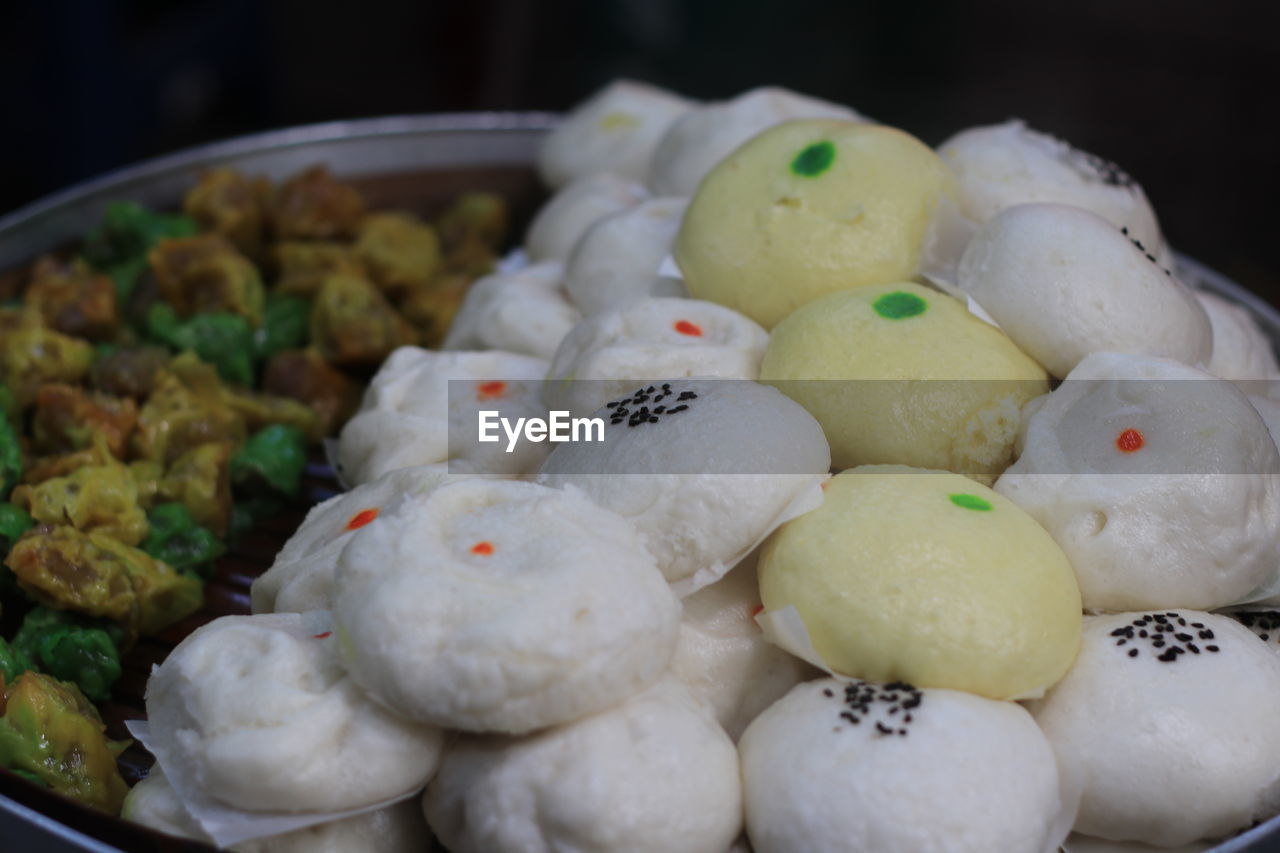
1007, 614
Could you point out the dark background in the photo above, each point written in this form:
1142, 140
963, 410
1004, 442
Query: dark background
1179, 94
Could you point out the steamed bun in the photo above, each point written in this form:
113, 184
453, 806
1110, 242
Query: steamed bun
301, 578
655, 774
494, 605
926, 577
617, 260
723, 657
1158, 482
703, 469
524, 311
808, 208
615, 130
1063, 283
860, 766
1002, 165
409, 413
562, 221
1241, 351
604, 356
901, 374
1171, 746
257, 712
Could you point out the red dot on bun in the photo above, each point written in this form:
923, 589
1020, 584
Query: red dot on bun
361, 518
1130, 441
685, 327
490, 390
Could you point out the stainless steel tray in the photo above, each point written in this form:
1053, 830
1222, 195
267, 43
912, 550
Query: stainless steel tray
368, 149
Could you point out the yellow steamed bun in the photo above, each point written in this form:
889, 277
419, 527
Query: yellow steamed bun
930, 578
903, 331
805, 208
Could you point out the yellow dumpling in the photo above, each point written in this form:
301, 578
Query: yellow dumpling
806, 208
965, 419
930, 578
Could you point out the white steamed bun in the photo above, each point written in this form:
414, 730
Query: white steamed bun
860, 766
257, 712
618, 259
615, 130
1063, 283
1159, 483
301, 578
1002, 165
604, 356
524, 311
723, 657
562, 221
1171, 746
495, 605
703, 468
408, 413
653, 775
1241, 351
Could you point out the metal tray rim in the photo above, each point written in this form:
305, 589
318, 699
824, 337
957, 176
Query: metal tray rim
332, 131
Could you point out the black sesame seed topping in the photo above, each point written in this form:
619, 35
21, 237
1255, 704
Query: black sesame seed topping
1097, 168
633, 411
1164, 639
862, 700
